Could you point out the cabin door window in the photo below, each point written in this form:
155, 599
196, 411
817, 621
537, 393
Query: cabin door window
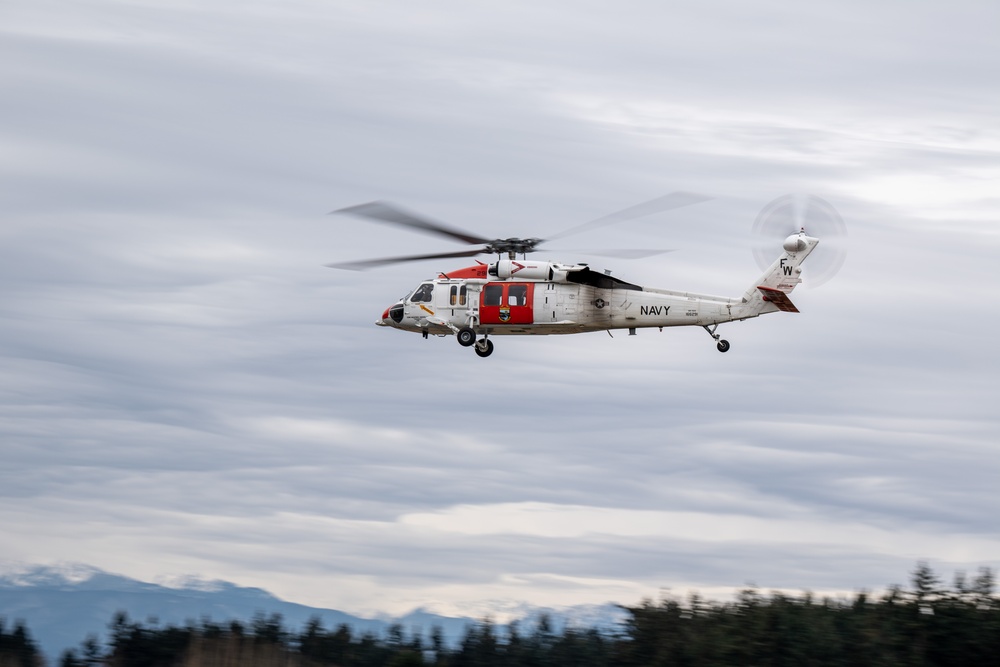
507, 303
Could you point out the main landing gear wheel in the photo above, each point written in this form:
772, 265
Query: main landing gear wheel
466, 336
484, 348
723, 346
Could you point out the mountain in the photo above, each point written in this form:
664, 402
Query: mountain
64, 604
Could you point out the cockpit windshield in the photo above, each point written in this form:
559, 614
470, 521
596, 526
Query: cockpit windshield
422, 294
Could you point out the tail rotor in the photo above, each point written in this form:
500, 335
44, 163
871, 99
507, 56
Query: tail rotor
791, 214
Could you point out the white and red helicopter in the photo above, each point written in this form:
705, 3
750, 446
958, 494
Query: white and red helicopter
513, 296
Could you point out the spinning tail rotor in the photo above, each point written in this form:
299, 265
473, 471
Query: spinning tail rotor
792, 213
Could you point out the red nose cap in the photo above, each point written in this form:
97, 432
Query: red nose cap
385, 315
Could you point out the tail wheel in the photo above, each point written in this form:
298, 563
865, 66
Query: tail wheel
484, 348
466, 336
723, 346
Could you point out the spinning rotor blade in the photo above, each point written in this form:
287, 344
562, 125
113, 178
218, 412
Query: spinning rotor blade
788, 215
658, 205
384, 212
372, 263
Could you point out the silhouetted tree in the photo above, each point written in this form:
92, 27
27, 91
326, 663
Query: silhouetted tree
927, 624
17, 649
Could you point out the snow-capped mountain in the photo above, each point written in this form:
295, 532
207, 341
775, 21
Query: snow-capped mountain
62, 605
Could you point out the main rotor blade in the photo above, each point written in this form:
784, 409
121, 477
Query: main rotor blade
385, 212
372, 263
658, 205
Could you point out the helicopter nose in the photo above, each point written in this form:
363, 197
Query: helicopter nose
391, 316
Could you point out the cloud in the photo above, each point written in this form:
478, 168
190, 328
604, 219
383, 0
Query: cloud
189, 391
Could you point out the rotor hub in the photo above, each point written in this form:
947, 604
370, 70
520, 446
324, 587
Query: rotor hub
512, 246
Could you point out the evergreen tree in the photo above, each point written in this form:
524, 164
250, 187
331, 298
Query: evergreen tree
925, 625
17, 649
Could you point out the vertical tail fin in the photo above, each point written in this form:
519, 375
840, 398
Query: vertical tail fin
770, 292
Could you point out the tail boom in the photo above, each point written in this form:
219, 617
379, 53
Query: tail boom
769, 294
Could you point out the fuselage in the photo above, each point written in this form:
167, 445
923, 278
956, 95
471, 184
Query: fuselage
545, 298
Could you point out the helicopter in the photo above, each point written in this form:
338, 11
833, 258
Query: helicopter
518, 296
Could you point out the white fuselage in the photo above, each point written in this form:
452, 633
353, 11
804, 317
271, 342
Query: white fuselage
549, 307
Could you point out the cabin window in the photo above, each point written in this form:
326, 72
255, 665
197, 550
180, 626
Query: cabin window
458, 295
492, 295
517, 295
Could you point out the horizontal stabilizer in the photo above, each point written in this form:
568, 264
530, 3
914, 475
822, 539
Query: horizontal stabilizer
779, 299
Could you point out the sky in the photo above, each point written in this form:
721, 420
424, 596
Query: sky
186, 389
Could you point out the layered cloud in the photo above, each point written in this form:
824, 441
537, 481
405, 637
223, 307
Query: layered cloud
187, 390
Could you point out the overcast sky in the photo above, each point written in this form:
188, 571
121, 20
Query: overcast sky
185, 389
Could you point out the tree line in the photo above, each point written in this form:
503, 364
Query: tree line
927, 624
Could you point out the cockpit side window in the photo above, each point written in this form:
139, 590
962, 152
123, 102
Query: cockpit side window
423, 293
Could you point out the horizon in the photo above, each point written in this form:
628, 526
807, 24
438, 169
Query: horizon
504, 611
